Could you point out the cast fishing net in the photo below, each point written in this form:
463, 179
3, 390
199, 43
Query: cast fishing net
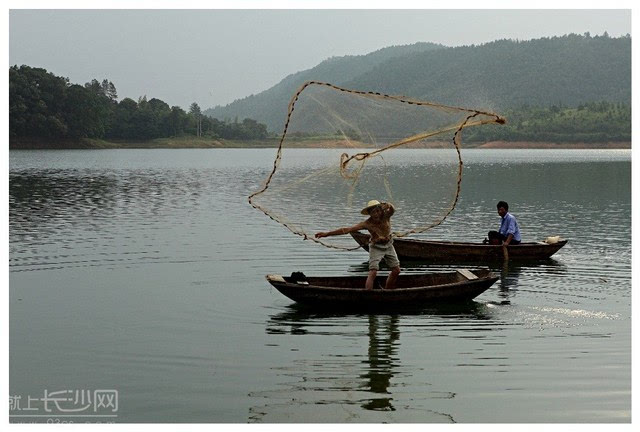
341, 148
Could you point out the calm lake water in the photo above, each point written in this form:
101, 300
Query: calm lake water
142, 271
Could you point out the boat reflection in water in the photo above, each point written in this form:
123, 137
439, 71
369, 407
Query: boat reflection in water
336, 380
549, 269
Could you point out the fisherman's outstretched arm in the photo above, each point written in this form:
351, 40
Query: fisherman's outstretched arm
341, 231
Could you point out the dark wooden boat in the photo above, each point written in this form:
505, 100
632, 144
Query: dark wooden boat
451, 252
413, 290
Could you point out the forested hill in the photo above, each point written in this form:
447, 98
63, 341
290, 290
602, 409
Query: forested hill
271, 105
568, 70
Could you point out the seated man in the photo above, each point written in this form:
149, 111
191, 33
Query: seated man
509, 232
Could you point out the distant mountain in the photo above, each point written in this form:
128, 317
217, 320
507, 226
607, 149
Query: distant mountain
567, 70
270, 106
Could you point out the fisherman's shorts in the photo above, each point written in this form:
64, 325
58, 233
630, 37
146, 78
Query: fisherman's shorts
380, 251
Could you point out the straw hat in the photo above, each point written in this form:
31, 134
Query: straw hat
371, 204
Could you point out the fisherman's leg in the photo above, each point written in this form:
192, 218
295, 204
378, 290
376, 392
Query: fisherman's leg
371, 279
391, 279
494, 238
375, 256
391, 258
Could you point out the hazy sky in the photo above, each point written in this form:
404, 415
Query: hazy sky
216, 56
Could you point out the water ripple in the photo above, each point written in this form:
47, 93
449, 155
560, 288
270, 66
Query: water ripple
145, 270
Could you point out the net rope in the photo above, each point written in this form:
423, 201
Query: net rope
332, 109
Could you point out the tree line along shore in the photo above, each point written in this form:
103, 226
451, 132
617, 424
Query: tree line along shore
209, 143
48, 112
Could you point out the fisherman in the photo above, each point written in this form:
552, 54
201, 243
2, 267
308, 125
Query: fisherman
509, 232
380, 243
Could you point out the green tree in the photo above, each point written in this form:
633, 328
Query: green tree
196, 114
36, 99
85, 113
109, 90
123, 126
177, 121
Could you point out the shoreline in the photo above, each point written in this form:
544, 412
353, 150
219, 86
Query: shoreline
547, 145
192, 142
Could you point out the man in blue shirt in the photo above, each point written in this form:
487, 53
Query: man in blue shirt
509, 232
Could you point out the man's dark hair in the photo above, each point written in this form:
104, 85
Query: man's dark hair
503, 204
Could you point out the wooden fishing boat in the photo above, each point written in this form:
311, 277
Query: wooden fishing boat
413, 290
451, 252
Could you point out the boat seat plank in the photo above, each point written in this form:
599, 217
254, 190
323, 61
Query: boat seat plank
467, 274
